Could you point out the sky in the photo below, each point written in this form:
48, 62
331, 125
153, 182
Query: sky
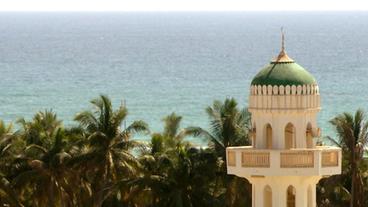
181, 5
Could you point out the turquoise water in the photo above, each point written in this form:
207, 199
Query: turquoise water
165, 62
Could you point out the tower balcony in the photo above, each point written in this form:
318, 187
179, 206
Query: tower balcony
247, 161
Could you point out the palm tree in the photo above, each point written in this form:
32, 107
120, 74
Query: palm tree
352, 134
35, 165
155, 161
332, 191
8, 196
173, 172
9, 144
40, 129
8, 141
229, 127
189, 179
41, 173
107, 157
5, 129
171, 137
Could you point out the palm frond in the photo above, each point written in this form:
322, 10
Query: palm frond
135, 127
119, 116
87, 120
336, 143
4, 129
36, 147
99, 139
363, 137
172, 124
199, 132
129, 144
106, 113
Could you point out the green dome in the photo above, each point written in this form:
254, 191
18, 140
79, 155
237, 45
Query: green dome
283, 73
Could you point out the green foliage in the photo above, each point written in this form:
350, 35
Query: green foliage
352, 137
98, 162
229, 127
174, 173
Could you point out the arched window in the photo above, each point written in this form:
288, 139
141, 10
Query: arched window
267, 196
309, 136
268, 136
289, 136
310, 196
290, 196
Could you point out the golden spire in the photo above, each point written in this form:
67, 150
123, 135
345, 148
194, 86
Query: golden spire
282, 57
282, 40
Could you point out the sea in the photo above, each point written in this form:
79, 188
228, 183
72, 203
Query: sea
162, 62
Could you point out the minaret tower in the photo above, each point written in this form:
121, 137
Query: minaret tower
284, 164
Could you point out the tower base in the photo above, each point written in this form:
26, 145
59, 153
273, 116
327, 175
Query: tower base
284, 191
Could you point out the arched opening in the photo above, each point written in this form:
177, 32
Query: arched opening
290, 197
309, 136
310, 197
289, 136
268, 136
267, 196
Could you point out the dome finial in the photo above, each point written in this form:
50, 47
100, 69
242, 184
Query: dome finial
282, 57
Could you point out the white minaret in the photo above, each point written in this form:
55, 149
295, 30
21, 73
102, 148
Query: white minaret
284, 164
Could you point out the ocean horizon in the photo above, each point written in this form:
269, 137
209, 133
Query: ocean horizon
163, 62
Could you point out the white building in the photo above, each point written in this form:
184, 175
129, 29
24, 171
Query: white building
284, 164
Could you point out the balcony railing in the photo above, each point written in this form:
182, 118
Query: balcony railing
299, 159
330, 159
231, 160
255, 159
315, 161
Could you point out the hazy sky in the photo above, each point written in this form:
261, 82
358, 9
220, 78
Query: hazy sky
180, 5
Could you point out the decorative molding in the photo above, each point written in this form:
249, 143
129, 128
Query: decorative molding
284, 90
285, 98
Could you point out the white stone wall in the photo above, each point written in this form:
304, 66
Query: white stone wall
279, 106
305, 190
278, 122
271, 169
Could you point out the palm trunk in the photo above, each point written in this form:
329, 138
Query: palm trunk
97, 200
356, 188
100, 183
216, 187
51, 199
352, 200
97, 193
